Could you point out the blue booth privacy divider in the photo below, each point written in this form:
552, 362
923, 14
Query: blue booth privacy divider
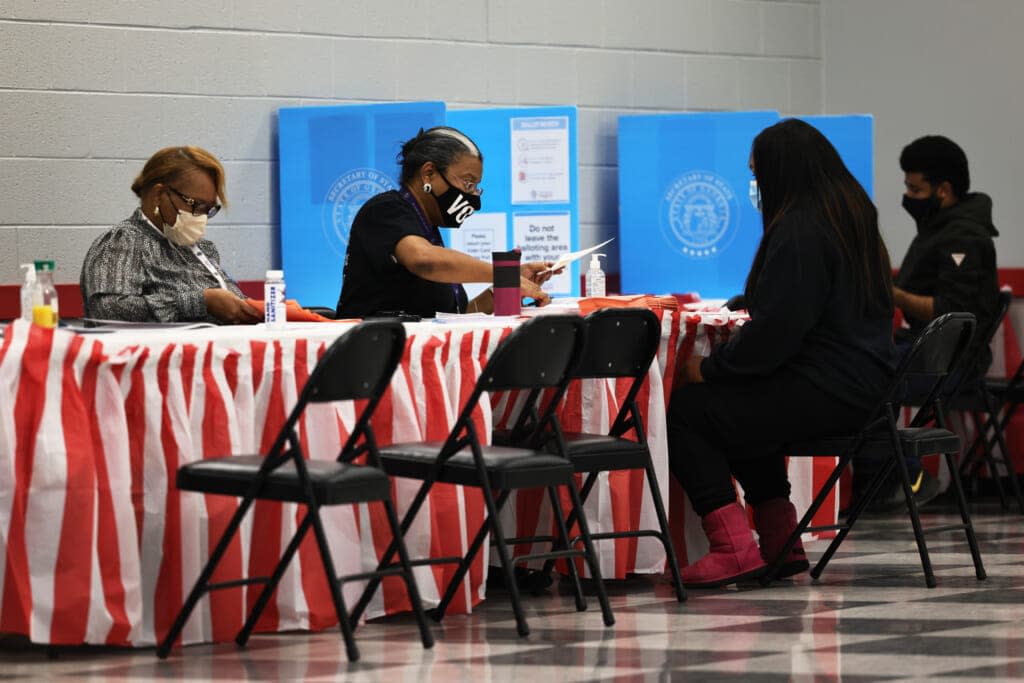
332, 159
530, 181
686, 222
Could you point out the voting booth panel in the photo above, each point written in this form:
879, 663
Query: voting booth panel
688, 220
530, 182
333, 159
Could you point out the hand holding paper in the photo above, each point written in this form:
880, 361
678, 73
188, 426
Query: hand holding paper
566, 259
538, 272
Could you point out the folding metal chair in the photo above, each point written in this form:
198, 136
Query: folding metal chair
974, 394
535, 356
358, 365
1009, 393
935, 352
620, 342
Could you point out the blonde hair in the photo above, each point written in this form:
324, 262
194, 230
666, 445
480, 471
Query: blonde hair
173, 162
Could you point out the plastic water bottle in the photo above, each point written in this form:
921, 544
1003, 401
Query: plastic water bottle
27, 290
594, 279
45, 309
274, 313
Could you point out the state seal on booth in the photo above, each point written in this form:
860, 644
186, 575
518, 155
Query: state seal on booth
345, 197
699, 214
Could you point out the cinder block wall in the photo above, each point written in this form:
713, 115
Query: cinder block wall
89, 90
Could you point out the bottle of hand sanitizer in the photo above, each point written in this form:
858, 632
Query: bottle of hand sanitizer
594, 279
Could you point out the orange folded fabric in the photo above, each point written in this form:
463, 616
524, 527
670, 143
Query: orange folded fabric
295, 312
655, 303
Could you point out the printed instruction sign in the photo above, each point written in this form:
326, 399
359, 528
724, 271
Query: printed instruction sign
545, 237
540, 159
481, 234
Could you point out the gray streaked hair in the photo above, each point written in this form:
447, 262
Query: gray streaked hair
442, 144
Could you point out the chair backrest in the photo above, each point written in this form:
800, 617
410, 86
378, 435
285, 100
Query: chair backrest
935, 353
620, 342
357, 365
539, 354
536, 355
971, 367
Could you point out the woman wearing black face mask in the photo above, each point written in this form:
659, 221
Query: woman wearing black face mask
396, 258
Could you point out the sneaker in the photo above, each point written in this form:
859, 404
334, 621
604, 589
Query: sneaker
925, 488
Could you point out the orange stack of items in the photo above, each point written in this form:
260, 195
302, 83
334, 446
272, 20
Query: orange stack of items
295, 312
655, 303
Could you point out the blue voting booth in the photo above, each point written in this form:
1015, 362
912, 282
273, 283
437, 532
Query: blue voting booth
332, 159
686, 222
530, 198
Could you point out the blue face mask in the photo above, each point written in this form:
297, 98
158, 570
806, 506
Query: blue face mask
755, 195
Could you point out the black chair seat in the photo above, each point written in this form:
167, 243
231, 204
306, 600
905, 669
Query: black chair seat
928, 441
593, 452
333, 482
915, 441
507, 468
1002, 389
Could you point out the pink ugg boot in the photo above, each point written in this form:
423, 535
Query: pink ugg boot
733, 556
775, 520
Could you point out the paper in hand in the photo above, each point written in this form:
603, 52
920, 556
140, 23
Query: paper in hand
566, 259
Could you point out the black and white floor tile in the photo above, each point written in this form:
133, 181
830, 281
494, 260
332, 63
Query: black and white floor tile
870, 617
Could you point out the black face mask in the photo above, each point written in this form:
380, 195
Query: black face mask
455, 205
920, 209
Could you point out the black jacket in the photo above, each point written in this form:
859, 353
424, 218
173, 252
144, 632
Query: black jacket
803, 317
953, 259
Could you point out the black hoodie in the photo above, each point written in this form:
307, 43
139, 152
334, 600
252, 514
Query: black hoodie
953, 260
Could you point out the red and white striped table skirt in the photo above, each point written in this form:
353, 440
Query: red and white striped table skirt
99, 547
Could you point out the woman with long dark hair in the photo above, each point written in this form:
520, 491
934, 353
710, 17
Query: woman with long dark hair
812, 361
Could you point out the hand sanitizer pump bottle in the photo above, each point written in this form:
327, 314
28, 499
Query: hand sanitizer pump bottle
594, 279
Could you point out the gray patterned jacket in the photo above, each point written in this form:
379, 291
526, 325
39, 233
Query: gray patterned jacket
134, 273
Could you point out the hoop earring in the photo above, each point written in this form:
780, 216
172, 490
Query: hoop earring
427, 188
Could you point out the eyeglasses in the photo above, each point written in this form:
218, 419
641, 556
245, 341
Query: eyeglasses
198, 208
468, 186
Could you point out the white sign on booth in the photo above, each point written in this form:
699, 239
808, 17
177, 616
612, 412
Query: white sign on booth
545, 237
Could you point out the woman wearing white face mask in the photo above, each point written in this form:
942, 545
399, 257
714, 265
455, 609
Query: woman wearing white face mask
155, 266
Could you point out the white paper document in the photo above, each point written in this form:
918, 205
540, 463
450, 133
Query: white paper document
566, 259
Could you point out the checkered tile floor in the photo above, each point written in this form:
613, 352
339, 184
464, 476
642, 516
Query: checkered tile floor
870, 617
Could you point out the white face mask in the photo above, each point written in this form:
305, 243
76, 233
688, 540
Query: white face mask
755, 195
187, 229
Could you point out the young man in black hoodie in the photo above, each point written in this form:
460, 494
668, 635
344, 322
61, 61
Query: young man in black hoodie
951, 263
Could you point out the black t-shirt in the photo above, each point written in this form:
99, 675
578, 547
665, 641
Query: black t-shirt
373, 280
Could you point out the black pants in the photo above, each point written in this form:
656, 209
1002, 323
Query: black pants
719, 430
